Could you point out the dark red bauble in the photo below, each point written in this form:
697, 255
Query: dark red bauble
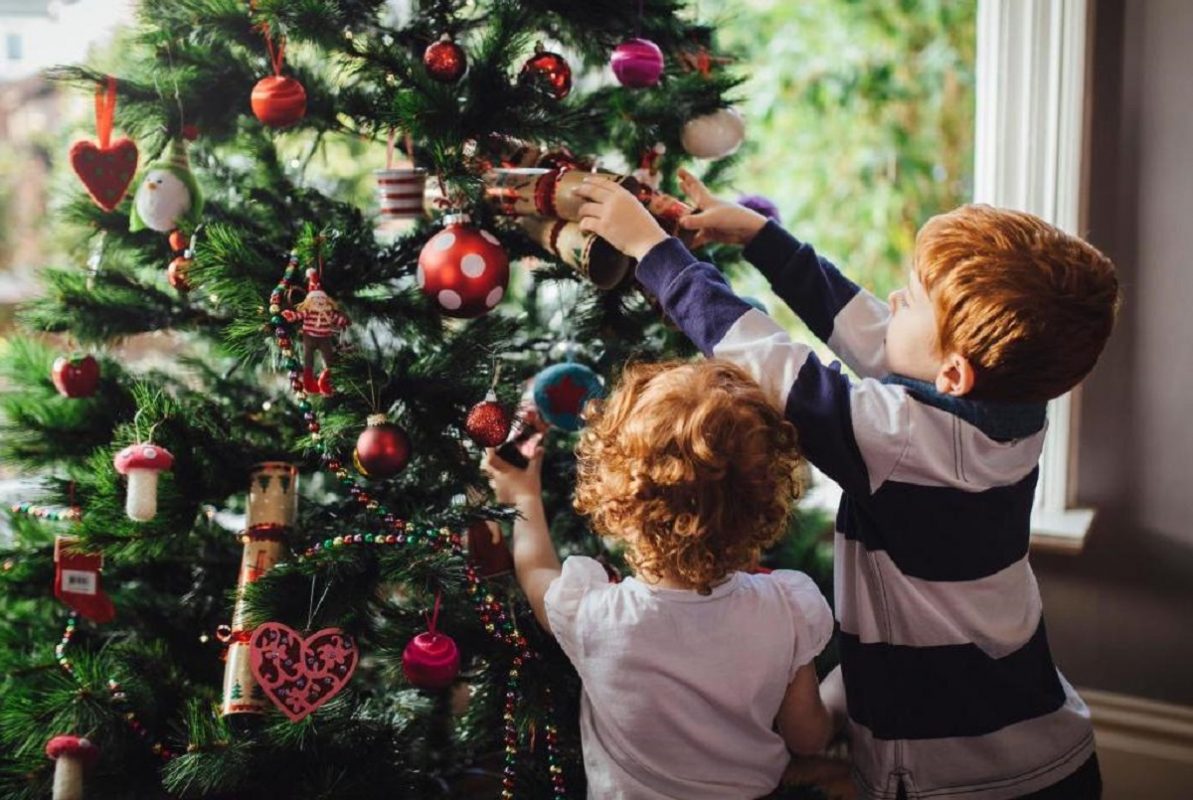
382, 449
549, 71
445, 60
431, 661
279, 101
75, 377
637, 63
178, 274
488, 422
463, 269
177, 241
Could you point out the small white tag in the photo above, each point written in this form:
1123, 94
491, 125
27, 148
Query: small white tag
78, 582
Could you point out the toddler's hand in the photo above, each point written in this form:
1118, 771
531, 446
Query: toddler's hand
618, 217
717, 220
511, 484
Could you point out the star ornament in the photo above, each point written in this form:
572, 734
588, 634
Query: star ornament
561, 391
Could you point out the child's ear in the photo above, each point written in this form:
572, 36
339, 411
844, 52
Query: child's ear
955, 376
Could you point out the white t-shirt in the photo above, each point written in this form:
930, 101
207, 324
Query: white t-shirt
681, 690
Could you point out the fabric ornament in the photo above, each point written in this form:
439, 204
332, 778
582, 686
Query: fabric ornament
106, 169
168, 194
561, 392
77, 580
322, 321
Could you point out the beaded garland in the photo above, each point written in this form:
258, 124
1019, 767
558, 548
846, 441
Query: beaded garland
54, 514
402, 532
119, 698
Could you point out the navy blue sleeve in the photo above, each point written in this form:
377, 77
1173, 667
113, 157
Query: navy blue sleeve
815, 397
850, 320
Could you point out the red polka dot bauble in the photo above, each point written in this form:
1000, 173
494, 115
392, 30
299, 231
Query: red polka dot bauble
382, 449
279, 101
431, 661
445, 60
549, 71
488, 422
637, 63
463, 269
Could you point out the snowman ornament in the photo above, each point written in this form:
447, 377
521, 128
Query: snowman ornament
167, 194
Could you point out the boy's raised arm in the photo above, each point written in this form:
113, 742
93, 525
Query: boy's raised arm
850, 320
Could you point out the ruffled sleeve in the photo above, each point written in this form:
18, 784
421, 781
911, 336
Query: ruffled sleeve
812, 615
580, 575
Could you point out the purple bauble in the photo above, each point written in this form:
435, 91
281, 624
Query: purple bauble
637, 63
763, 205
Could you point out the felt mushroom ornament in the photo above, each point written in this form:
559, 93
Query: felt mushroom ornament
142, 462
72, 755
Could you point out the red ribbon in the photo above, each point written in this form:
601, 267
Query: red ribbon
105, 111
277, 53
433, 619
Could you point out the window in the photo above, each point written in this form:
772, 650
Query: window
1030, 155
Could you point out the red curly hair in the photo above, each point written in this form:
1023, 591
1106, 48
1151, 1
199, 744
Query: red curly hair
692, 465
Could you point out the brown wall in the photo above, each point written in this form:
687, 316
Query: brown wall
1120, 615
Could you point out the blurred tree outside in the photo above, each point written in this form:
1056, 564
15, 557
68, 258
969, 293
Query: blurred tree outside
860, 118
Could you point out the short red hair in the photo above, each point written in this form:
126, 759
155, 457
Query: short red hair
692, 464
1028, 305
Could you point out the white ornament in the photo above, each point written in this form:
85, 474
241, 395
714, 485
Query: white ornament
161, 199
472, 265
714, 135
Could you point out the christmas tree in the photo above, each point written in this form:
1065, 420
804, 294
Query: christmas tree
304, 592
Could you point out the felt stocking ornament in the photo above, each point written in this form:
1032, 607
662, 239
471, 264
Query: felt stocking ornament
106, 170
77, 580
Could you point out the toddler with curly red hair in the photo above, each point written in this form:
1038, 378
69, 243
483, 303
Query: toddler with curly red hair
697, 675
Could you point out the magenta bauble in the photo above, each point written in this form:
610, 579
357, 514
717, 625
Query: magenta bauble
431, 661
637, 63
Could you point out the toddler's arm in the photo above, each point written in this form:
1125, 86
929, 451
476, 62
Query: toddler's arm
535, 561
803, 721
850, 320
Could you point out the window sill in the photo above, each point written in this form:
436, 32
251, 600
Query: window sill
1062, 532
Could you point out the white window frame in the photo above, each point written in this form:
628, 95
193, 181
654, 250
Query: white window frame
1032, 81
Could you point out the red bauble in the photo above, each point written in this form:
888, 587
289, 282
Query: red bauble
279, 101
488, 422
463, 269
431, 661
177, 241
75, 377
445, 60
549, 71
178, 274
382, 449
637, 63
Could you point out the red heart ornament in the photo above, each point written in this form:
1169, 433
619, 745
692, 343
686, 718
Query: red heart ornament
105, 171
298, 674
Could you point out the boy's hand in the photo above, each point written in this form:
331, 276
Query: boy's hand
511, 484
717, 220
618, 217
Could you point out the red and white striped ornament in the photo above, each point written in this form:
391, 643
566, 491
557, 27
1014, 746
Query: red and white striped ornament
400, 190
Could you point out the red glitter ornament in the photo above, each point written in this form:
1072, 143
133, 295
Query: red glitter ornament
382, 449
463, 269
488, 422
445, 60
549, 71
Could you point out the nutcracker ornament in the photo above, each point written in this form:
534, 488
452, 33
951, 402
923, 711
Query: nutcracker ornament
272, 513
322, 321
463, 269
168, 195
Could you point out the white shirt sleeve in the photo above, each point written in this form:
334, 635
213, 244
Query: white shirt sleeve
811, 614
564, 596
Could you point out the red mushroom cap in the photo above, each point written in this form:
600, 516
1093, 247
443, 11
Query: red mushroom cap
143, 455
67, 745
